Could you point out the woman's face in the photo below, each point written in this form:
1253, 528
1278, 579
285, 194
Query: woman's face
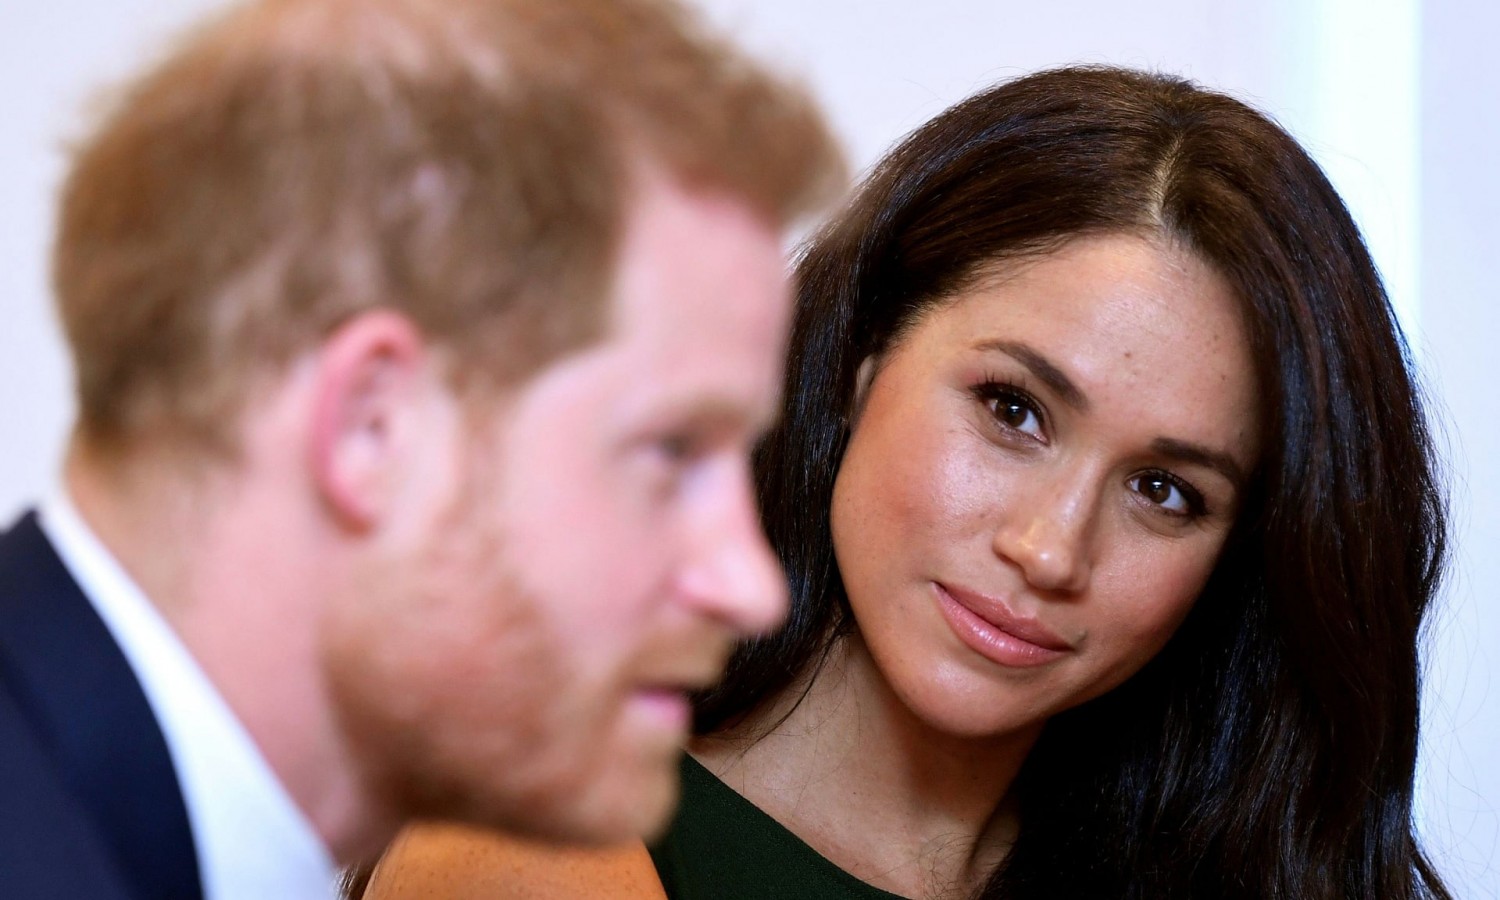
1040, 478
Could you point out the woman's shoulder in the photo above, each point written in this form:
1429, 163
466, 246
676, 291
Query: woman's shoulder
722, 846
719, 846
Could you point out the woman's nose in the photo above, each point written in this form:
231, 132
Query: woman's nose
1047, 533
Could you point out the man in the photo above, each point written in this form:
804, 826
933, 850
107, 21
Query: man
420, 345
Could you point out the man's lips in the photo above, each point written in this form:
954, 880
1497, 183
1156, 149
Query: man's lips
665, 698
668, 708
685, 684
997, 632
681, 681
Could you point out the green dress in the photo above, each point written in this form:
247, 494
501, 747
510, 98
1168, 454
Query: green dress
723, 847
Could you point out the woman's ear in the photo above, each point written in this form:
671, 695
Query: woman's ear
373, 377
862, 379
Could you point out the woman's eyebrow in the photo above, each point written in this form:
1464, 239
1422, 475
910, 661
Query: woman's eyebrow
1044, 370
1183, 451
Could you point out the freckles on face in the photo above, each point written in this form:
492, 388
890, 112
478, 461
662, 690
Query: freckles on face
1041, 478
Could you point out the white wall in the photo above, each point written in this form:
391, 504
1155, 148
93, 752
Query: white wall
1398, 98
53, 58
1458, 331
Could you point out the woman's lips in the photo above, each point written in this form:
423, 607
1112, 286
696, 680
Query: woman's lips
991, 629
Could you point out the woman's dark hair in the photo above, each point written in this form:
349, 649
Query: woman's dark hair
1269, 750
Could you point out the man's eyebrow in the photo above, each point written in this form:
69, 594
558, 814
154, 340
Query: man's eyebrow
714, 414
1044, 370
1183, 451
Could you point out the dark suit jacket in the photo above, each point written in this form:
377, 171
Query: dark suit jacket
89, 802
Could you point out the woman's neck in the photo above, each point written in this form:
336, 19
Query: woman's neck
852, 772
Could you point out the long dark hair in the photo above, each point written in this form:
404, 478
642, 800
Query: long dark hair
1269, 750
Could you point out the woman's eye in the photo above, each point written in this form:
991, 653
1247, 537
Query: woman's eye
1164, 491
1016, 413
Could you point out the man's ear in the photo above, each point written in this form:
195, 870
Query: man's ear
374, 375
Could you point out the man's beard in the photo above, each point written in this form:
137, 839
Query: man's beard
448, 682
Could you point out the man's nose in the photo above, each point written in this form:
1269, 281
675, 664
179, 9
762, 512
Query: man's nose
733, 575
1047, 532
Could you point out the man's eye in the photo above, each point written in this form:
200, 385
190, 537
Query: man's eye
676, 447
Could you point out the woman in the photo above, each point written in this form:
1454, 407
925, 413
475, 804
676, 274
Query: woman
1110, 517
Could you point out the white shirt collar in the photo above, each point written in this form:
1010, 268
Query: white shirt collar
253, 841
